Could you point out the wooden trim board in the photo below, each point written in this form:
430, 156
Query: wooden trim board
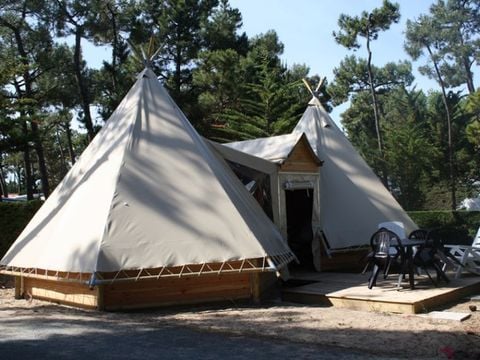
174, 291
67, 293
147, 293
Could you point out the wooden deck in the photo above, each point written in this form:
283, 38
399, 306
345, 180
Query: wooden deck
350, 291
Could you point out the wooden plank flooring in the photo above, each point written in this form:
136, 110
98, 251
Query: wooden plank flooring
350, 291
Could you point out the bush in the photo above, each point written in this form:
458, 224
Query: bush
454, 227
14, 216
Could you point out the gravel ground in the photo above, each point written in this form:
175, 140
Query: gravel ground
39, 330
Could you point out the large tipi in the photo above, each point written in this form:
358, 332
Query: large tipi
349, 201
150, 214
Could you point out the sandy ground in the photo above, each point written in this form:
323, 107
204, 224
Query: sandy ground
382, 334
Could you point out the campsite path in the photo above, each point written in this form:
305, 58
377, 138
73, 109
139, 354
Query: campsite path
38, 330
53, 332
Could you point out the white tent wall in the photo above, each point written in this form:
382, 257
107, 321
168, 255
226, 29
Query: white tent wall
353, 199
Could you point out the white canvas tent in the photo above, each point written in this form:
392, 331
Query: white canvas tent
352, 199
470, 204
148, 199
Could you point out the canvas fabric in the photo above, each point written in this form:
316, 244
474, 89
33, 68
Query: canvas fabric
148, 192
353, 200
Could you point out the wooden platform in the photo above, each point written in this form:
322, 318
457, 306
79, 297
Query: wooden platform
350, 291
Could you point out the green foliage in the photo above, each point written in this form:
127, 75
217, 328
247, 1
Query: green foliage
268, 103
114, 80
408, 153
351, 78
454, 227
27, 45
472, 106
408, 160
359, 123
416, 151
473, 133
464, 152
459, 23
367, 25
448, 38
177, 24
221, 32
218, 79
13, 218
62, 145
245, 97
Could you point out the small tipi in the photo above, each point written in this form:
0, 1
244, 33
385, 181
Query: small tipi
353, 200
150, 214
349, 201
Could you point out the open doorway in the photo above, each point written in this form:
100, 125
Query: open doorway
299, 205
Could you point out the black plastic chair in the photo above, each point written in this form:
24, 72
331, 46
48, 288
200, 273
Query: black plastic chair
380, 257
430, 254
419, 234
436, 238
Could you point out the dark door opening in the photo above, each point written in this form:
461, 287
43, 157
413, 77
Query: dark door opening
299, 225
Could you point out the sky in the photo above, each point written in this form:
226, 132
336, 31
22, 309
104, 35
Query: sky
305, 28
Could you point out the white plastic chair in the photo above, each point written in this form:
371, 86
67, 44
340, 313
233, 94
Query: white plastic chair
395, 226
468, 256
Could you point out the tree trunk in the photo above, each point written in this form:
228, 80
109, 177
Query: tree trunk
28, 94
178, 69
77, 60
376, 115
451, 155
42, 166
62, 153
68, 132
18, 173
178, 66
3, 183
467, 65
114, 49
469, 74
28, 165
